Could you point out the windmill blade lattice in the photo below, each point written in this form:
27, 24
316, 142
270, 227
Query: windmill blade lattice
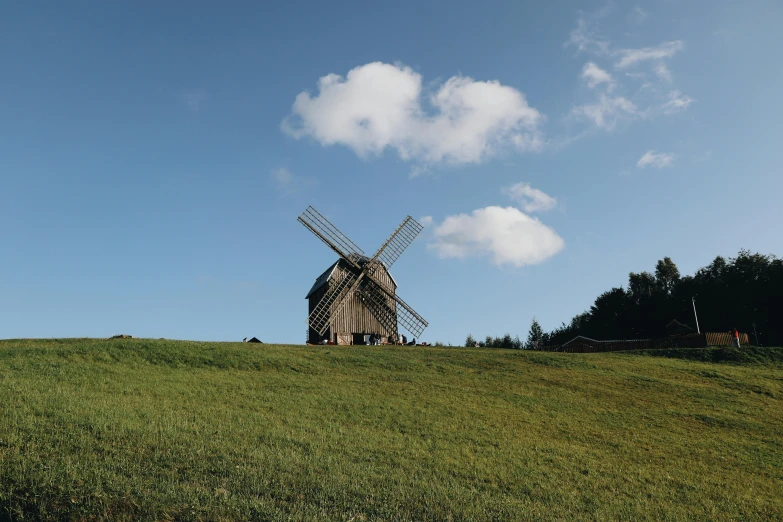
378, 306
407, 317
328, 233
393, 247
319, 318
340, 300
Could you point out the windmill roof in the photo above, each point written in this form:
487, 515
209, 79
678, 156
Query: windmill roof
323, 278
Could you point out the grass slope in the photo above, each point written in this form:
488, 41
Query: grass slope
166, 430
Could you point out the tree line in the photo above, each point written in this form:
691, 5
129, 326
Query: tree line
738, 292
534, 340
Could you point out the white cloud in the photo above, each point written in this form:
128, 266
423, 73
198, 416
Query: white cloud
677, 102
287, 182
663, 72
655, 159
531, 199
379, 105
629, 57
595, 76
425, 221
607, 111
506, 235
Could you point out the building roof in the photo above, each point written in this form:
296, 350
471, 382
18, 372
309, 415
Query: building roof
323, 278
583, 338
675, 325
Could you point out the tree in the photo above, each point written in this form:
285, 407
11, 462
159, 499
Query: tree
666, 276
609, 317
736, 292
506, 341
470, 342
713, 272
640, 286
534, 336
579, 321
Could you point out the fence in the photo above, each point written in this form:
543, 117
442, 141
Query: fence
724, 339
585, 345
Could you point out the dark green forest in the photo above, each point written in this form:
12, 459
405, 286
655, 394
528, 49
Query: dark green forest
729, 293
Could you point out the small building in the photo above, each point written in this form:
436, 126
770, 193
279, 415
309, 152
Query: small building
677, 328
582, 344
354, 322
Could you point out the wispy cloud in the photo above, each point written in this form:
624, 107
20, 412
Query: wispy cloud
287, 182
531, 199
663, 72
677, 102
654, 159
417, 170
506, 236
636, 75
379, 106
585, 37
639, 15
595, 76
629, 57
607, 111
623, 99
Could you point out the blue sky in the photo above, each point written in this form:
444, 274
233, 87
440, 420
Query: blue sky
154, 158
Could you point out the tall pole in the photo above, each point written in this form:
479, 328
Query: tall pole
756, 334
693, 300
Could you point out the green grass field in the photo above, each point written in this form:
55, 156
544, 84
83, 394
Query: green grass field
165, 430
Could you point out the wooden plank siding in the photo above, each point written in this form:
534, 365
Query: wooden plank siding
354, 317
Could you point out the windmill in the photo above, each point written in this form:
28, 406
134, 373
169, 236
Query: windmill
363, 278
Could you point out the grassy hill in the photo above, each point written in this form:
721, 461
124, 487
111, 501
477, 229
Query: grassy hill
170, 430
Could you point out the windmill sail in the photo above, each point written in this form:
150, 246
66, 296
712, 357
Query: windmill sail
319, 318
329, 234
407, 317
378, 305
393, 247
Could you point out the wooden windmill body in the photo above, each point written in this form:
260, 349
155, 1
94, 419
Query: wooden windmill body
357, 295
